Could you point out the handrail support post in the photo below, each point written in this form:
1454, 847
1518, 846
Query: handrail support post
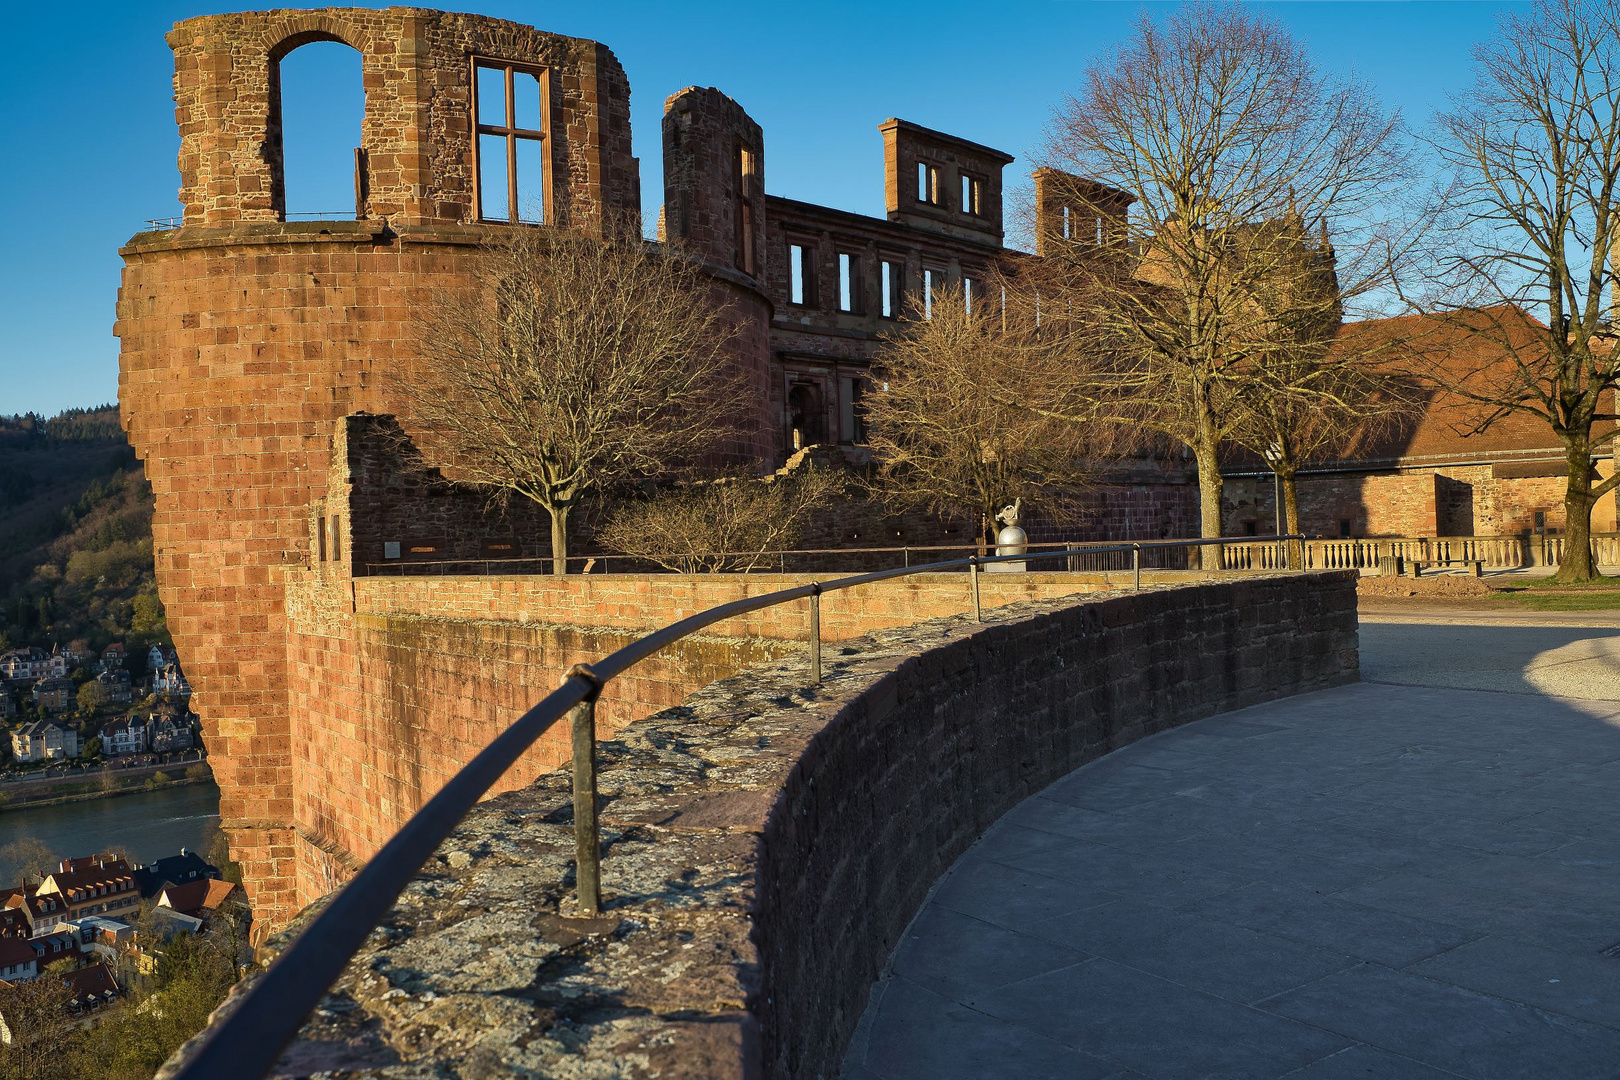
973, 583
815, 634
587, 834
1136, 565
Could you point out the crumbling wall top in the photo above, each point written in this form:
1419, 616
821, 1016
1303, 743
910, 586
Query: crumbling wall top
417, 159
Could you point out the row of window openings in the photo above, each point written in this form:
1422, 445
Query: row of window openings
1077, 227
928, 189
802, 284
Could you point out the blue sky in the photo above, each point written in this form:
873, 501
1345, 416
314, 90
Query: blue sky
91, 139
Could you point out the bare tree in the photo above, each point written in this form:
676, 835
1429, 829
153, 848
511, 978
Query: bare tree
36, 1026
1247, 174
1316, 384
576, 364
29, 857
948, 420
732, 523
1534, 149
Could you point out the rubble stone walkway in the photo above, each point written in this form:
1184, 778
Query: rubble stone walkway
1405, 879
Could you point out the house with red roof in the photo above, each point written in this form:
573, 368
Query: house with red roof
1451, 468
93, 885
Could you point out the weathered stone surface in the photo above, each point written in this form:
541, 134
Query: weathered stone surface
765, 843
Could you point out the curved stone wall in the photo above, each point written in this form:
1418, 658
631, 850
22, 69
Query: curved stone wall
765, 844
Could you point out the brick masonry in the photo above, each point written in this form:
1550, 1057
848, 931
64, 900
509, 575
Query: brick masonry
766, 844
245, 337
1453, 500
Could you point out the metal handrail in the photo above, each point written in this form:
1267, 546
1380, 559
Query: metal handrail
403, 567
248, 1041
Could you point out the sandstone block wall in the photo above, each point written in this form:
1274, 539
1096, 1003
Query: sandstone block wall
246, 338
416, 134
766, 843
903, 779
1453, 500
645, 602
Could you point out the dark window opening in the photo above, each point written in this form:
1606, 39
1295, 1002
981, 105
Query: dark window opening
931, 280
894, 292
509, 107
927, 183
1251, 528
849, 283
319, 106
334, 545
806, 415
747, 181
852, 389
972, 188
801, 276
1344, 529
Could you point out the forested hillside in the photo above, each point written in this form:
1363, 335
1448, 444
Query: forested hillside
75, 534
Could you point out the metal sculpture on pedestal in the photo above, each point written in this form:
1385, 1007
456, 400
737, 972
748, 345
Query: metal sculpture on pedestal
1011, 540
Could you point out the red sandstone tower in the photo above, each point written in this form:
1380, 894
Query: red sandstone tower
246, 337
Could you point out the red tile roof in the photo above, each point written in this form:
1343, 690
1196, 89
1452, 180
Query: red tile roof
15, 951
196, 897
95, 981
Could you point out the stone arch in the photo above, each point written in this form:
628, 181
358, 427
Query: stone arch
280, 43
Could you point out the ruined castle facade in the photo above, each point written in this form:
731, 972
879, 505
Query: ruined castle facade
251, 344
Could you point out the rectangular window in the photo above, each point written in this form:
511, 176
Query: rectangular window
333, 546
932, 279
509, 107
320, 540
894, 292
927, 183
851, 389
969, 287
971, 190
849, 282
747, 181
1068, 224
801, 276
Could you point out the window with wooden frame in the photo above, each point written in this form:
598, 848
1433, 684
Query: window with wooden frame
747, 188
511, 179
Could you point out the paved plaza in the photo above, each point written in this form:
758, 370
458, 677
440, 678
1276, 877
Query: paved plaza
1412, 878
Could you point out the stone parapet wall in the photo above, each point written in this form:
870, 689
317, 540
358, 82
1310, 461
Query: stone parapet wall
646, 602
766, 843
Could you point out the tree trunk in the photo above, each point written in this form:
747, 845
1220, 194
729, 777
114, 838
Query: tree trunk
1576, 564
1210, 488
1289, 482
559, 539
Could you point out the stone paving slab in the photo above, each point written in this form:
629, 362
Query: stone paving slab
1405, 879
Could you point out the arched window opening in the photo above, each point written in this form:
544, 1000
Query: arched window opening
806, 416
320, 102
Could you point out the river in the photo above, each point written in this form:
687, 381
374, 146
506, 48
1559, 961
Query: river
147, 824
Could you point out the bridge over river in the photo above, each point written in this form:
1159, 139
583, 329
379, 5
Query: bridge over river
1417, 876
